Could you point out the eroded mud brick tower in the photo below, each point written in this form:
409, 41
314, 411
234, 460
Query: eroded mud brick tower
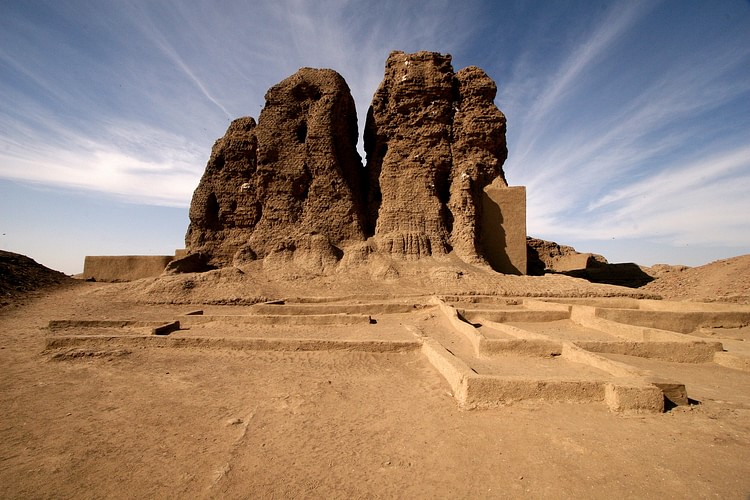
435, 144
294, 185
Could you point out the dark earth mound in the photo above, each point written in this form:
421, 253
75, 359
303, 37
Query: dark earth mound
20, 275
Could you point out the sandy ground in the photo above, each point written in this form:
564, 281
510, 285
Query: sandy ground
191, 423
726, 280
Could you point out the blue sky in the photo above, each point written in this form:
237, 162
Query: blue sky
629, 122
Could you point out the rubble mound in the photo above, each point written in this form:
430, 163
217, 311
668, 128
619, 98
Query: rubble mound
20, 275
292, 188
269, 186
726, 280
550, 257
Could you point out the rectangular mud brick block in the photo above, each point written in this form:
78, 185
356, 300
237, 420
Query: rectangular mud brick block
166, 328
634, 398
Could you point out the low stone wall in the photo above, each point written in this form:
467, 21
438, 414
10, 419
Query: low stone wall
116, 268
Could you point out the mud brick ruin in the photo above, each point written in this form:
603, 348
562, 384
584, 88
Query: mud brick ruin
323, 253
293, 186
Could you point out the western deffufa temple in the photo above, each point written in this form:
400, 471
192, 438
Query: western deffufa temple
293, 184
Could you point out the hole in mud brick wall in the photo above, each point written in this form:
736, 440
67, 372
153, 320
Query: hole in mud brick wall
212, 211
302, 133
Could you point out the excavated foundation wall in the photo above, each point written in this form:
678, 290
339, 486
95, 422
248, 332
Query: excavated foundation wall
124, 267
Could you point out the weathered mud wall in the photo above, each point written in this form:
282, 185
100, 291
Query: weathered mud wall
434, 139
271, 186
293, 188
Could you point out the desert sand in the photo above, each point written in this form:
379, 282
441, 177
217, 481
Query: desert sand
112, 417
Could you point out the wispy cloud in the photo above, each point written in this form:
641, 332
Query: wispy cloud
700, 202
707, 173
656, 158
583, 54
183, 70
149, 27
165, 176
173, 55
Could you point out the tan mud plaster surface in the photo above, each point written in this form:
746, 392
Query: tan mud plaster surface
224, 424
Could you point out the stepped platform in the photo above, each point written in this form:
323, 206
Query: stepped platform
491, 350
